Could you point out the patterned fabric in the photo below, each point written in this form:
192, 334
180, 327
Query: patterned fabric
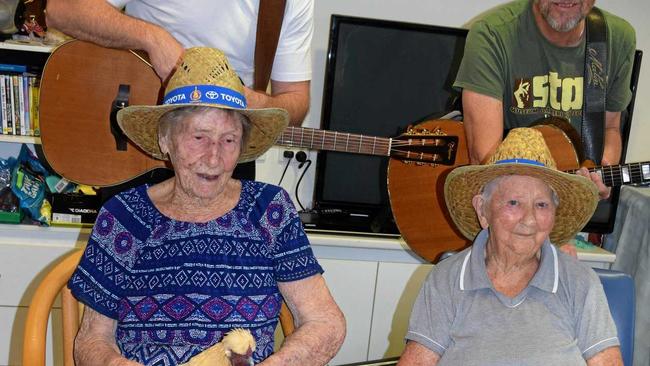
176, 287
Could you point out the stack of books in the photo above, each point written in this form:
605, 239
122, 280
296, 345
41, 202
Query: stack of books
19, 93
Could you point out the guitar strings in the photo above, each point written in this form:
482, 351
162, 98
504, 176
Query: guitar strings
617, 173
362, 144
336, 139
296, 136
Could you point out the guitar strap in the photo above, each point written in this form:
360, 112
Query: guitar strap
269, 24
595, 86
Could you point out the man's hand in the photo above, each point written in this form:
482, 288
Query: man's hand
256, 99
164, 52
603, 190
292, 96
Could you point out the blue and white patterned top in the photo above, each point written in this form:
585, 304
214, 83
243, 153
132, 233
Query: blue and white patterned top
176, 287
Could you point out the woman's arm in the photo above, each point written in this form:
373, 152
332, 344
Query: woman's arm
320, 325
95, 343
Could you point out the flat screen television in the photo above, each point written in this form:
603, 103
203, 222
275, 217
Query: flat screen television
381, 76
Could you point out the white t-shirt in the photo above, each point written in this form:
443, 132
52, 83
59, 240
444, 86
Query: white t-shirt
231, 26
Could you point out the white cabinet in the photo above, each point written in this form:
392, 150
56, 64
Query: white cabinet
398, 284
12, 322
352, 284
26, 255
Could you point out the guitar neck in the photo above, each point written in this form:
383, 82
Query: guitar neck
316, 139
618, 175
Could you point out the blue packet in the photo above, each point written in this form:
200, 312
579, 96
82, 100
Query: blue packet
28, 184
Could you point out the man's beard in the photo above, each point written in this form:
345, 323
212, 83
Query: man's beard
555, 24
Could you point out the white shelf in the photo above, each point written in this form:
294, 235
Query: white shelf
17, 139
31, 235
26, 47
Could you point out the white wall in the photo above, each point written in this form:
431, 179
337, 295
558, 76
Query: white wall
453, 14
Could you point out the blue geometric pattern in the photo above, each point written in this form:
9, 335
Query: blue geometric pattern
176, 287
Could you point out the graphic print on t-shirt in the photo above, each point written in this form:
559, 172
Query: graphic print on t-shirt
548, 94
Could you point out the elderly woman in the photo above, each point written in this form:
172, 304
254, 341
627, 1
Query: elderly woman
170, 268
512, 298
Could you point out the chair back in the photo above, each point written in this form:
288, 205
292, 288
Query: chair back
619, 290
35, 335
54, 283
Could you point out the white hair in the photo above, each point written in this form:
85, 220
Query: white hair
489, 188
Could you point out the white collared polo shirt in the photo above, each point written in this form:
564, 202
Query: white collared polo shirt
560, 318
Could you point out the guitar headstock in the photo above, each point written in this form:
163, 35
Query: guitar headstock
422, 146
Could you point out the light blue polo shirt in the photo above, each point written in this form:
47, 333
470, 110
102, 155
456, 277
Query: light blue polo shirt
561, 318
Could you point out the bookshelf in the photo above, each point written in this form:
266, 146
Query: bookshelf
33, 57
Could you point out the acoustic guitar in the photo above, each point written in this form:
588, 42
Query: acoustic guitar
417, 191
83, 85
82, 88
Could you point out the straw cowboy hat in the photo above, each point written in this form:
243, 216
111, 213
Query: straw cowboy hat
204, 78
523, 152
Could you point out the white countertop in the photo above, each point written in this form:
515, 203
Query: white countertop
398, 250
329, 246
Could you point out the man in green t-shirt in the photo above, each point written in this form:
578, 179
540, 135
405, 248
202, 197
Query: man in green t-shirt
524, 61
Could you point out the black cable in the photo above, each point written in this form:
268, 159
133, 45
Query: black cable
288, 154
284, 171
308, 162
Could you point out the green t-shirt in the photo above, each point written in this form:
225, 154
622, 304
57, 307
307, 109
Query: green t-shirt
508, 58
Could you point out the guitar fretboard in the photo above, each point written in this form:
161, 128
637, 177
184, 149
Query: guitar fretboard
617, 175
317, 139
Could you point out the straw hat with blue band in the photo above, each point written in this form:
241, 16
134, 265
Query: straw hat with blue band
522, 152
204, 78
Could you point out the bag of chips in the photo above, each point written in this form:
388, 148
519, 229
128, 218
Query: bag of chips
28, 184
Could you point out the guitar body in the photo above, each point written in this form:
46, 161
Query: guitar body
417, 199
562, 140
78, 86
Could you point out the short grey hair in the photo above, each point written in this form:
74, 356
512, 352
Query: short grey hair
489, 188
170, 121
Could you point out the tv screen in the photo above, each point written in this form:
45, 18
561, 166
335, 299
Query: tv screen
381, 76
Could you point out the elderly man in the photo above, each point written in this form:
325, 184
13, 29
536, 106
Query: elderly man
170, 268
524, 61
512, 298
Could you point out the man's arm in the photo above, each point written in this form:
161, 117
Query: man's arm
611, 151
292, 96
95, 343
320, 325
613, 140
483, 121
607, 357
416, 354
99, 22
